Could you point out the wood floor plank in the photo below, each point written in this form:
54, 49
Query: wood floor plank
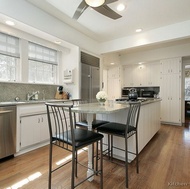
164, 164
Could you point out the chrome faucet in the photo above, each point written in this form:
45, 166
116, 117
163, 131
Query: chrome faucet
32, 96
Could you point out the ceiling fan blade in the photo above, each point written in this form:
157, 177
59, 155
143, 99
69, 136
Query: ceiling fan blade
110, 1
106, 11
80, 9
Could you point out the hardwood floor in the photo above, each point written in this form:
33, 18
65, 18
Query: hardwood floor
164, 163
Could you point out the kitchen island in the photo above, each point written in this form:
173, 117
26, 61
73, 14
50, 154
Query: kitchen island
28, 137
149, 124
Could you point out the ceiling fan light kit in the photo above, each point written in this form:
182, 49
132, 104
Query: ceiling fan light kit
95, 3
100, 6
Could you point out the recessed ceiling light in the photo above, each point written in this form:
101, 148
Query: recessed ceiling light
121, 7
112, 63
140, 63
10, 23
138, 30
57, 42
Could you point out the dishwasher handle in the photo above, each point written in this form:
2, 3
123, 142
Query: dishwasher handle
5, 111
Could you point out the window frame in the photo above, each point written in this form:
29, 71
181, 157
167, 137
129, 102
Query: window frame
45, 56
9, 50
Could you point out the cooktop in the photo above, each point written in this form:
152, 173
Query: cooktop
130, 100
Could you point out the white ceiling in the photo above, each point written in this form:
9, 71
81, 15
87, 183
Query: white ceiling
145, 14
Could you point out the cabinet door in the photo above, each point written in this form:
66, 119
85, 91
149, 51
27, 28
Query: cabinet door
114, 88
30, 131
154, 74
34, 129
171, 98
138, 76
166, 98
128, 76
169, 66
114, 83
175, 65
175, 106
171, 90
114, 72
44, 128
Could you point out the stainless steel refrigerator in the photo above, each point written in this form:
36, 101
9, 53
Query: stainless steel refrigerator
90, 82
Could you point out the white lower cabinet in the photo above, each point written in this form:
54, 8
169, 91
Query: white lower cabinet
33, 129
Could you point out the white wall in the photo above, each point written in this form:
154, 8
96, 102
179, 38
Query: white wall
69, 59
29, 15
164, 34
156, 54
26, 13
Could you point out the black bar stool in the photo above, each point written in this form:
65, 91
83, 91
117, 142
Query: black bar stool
125, 131
63, 134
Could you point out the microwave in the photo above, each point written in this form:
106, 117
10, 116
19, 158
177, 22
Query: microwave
148, 94
125, 92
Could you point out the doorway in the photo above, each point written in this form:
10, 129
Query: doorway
186, 89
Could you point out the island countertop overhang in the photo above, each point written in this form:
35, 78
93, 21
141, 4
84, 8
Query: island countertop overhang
96, 108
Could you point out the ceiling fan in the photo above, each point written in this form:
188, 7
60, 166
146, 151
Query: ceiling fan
102, 9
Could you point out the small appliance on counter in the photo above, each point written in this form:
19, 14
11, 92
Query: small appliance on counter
132, 94
60, 94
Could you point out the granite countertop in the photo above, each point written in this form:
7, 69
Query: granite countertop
108, 107
97, 108
26, 102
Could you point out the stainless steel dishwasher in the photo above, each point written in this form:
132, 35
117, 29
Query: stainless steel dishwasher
7, 131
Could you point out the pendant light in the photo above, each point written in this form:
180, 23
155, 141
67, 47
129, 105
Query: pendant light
95, 3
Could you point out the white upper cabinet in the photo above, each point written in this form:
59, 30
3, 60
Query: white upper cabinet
169, 66
128, 73
142, 75
139, 76
153, 74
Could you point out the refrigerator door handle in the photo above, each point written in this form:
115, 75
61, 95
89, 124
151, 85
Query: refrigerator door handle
102, 85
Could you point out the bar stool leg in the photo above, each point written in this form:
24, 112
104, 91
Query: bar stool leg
50, 165
137, 153
126, 162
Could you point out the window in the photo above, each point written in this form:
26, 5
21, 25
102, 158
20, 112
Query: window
187, 81
9, 57
42, 64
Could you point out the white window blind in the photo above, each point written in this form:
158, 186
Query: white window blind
42, 64
9, 57
9, 45
42, 54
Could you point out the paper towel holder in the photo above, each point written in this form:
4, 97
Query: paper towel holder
68, 76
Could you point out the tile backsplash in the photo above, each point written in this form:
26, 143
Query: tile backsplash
9, 91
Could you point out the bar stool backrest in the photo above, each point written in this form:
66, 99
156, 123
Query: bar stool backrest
133, 117
61, 123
